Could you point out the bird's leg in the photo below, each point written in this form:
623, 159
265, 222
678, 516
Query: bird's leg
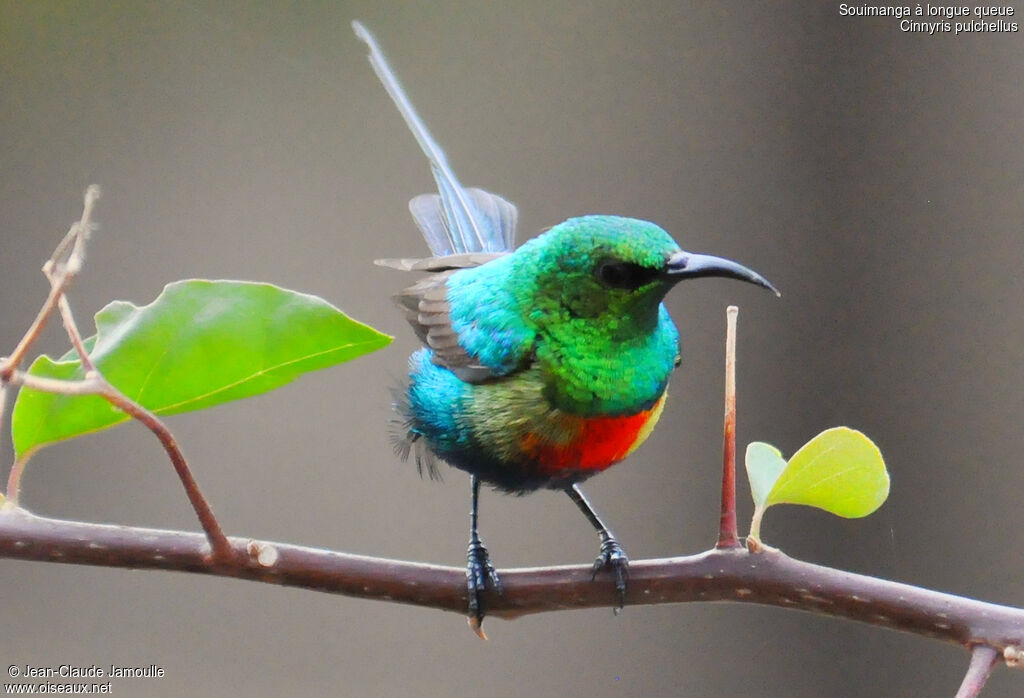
479, 570
612, 555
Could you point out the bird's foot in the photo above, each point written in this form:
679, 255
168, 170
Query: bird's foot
480, 574
612, 556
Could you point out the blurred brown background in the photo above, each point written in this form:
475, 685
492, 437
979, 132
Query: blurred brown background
875, 176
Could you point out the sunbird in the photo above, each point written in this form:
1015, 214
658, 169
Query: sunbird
542, 365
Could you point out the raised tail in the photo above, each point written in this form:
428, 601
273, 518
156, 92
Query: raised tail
456, 220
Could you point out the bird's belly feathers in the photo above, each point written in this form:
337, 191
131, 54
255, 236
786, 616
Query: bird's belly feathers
507, 433
587, 445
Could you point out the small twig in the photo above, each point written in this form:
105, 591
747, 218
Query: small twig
59, 274
62, 246
63, 265
218, 542
727, 533
50, 385
87, 386
77, 234
983, 660
222, 551
73, 334
11, 363
95, 384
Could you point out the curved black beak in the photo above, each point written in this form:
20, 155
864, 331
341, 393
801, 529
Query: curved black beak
689, 265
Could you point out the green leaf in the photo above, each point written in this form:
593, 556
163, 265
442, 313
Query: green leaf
764, 465
199, 344
840, 470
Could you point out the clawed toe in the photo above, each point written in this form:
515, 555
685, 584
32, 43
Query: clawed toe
480, 574
612, 556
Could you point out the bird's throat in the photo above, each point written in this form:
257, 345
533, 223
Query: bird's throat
587, 373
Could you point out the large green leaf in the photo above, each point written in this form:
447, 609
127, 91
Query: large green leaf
200, 343
840, 470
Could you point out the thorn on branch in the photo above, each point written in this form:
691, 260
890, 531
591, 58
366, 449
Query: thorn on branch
728, 536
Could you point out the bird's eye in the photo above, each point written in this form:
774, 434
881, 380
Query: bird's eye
625, 274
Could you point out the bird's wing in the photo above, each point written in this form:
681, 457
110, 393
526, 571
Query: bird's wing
490, 346
456, 220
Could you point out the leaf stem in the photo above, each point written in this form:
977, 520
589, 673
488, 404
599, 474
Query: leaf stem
754, 544
75, 336
14, 480
727, 533
87, 386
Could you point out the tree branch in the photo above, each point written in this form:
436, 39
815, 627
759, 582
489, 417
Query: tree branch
726, 573
769, 578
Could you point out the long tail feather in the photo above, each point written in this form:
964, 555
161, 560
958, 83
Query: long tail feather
456, 220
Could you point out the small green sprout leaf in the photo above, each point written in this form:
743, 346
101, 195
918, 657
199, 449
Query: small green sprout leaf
764, 465
840, 470
199, 344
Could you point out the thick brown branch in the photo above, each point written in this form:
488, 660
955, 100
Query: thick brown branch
734, 574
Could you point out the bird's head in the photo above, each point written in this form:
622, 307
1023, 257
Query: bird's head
613, 270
